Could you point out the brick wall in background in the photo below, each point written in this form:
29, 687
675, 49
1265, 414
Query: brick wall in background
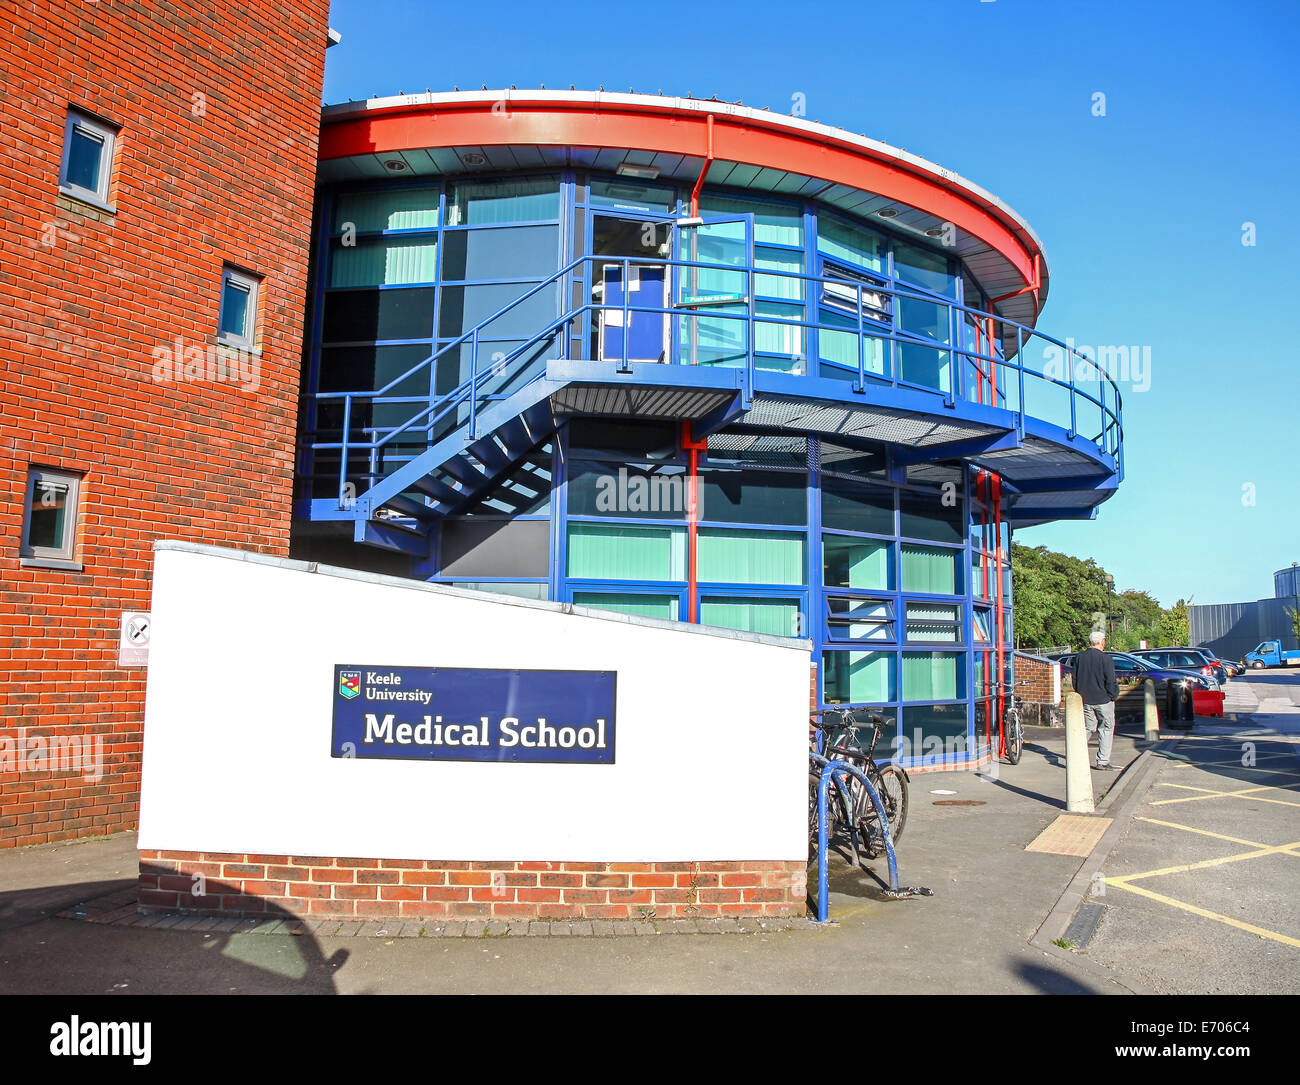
218, 107
317, 887
1041, 694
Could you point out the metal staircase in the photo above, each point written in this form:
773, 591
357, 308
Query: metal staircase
484, 436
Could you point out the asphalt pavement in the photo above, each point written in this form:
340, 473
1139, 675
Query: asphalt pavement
990, 898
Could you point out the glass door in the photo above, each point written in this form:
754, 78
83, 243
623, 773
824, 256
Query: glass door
712, 291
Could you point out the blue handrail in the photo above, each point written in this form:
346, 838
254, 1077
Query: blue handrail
872, 322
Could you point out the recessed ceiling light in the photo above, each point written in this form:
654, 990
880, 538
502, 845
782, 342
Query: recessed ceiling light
887, 212
934, 231
473, 158
631, 169
395, 165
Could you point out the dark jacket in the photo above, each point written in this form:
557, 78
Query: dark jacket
1094, 677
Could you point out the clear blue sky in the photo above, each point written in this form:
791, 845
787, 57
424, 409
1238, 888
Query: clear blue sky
1140, 211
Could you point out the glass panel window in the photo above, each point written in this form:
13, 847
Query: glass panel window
629, 195
237, 319
858, 677
463, 307
856, 563
934, 622
643, 605
774, 224
512, 253
753, 497
388, 209
623, 552
849, 505
935, 732
937, 515
751, 557
49, 533
849, 618
475, 203
983, 621
606, 488
852, 244
932, 676
929, 570
928, 270
368, 315
779, 617
783, 285
87, 157
384, 262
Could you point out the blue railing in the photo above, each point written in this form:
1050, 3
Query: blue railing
978, 357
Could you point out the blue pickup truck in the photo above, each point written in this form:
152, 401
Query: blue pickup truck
1270, 654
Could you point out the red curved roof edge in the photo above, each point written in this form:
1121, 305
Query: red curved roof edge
681, 126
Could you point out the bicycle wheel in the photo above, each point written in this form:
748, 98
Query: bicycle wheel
1015, 738
890, 783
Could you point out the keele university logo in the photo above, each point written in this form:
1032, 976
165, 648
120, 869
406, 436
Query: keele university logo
350, 684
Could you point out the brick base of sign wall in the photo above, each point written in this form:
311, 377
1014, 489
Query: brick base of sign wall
317, 887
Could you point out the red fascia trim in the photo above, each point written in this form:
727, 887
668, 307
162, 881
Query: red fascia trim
685, 132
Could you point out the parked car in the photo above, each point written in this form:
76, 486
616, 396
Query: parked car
1131, 672
1235, 667
1186, 659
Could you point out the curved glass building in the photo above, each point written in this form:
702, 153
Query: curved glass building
689, 360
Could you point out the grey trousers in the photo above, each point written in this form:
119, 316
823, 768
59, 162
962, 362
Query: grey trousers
1100, 719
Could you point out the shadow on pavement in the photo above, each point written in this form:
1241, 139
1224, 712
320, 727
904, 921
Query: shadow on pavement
43, 954
1053, 982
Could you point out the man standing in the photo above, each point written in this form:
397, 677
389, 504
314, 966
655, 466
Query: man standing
1095, 682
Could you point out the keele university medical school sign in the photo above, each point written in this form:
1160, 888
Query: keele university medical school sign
470, 714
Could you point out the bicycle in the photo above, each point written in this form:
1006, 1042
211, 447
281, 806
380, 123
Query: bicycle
1013, 730
852, 807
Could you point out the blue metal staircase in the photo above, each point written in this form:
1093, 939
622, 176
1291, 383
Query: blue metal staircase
486, 435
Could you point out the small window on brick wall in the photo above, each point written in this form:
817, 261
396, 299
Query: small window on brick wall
50, 518
237, 319
87, 169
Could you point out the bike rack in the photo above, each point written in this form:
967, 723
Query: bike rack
830, 769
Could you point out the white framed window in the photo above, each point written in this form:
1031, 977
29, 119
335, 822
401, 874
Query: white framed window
88, 145
237, 320
50, 514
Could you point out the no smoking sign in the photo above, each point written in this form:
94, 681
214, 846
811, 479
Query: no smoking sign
133, 640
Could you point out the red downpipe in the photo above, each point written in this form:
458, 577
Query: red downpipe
693, 449
708, 161
981, 491
998, 639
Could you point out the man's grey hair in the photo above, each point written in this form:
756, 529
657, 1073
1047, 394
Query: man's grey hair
1096, 637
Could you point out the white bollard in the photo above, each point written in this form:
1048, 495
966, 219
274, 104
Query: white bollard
1078, 770
1150, 716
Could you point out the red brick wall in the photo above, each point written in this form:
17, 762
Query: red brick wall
1037, 674
315, 887
218, 103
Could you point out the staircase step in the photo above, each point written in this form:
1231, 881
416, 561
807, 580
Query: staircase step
407, 506
432, 487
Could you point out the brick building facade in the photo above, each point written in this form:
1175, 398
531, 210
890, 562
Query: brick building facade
196, 155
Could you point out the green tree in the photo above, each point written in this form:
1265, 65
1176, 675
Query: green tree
1294, 615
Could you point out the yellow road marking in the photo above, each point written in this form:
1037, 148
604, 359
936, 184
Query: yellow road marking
1206, 832
1206, 913
1246, 792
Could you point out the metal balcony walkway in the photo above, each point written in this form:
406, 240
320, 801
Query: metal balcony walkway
490, 428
